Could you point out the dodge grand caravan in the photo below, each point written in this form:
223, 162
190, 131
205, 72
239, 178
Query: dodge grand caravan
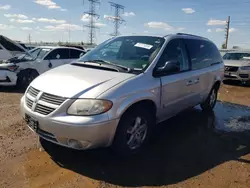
115, 94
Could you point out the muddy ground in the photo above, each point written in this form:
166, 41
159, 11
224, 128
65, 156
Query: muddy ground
194, 149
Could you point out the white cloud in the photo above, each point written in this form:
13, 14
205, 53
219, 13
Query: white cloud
26, 28
6, 27
86, 17
188, 10
5, 7
232, 30
49, 4
219, 30
20, 16
216, 22
47, 20
108, 17
128, 14
159, 25
209, 30
64, 9
62, 27
22, 21
98, 24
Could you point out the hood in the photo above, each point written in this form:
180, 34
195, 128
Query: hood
78, 82
237, 63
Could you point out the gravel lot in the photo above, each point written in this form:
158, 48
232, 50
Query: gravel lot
194, 150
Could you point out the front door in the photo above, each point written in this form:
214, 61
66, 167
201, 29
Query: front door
178, 91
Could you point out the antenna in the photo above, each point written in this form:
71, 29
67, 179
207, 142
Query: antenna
117, 18
93, 17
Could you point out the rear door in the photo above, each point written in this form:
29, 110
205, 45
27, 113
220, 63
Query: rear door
175, 92
204, 57
74, 54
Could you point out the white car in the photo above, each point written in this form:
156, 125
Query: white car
21, 70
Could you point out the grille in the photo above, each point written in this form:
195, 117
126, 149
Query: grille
45, 103
244, 75
52, 99
29, 102
46, 135
33, 92
231, 69
45, 110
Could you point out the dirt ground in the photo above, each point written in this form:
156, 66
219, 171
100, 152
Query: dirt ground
193, 150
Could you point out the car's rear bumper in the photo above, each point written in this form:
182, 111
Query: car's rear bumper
7, 78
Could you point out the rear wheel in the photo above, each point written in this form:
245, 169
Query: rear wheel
211, 100
133, 131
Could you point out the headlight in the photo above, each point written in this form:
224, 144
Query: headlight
88, 107
9, 68
245, 68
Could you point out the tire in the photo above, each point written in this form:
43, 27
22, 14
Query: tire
25, 78
211, 100
130, 131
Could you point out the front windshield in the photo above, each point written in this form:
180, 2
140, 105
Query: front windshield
235, 56
39, 53
135, 52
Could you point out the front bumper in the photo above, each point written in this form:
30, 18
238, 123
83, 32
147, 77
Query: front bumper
241, 75
75, 132
7, 78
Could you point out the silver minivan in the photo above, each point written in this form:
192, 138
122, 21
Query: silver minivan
115, 94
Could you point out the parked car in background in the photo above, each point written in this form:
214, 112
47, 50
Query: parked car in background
115, 94
237, 66
9, 48
21, 70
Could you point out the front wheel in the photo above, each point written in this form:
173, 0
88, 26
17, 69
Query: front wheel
211, 100
133, 131
25, 78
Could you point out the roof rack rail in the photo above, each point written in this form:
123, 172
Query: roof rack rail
190, 35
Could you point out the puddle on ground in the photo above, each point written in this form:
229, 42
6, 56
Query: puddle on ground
231, 117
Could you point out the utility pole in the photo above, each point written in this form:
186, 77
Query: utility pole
227, 31
93, 17
117, 17
29, 39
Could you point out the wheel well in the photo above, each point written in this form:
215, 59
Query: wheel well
150, 105
27, 71
217, 85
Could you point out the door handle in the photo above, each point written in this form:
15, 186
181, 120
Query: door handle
189, 82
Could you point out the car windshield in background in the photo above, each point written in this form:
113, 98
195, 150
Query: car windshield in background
135, 52
39, 53
235, 56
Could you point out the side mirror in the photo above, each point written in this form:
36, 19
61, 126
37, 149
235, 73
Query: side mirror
169, 68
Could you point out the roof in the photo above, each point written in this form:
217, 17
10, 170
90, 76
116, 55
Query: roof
168, 35
58, 47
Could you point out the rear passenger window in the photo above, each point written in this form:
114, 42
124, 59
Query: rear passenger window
59, 54
202, 53
75, 54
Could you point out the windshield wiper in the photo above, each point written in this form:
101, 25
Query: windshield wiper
100, 61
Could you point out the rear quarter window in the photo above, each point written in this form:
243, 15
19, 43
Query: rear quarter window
202, 53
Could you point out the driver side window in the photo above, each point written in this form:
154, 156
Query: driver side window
175, 51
